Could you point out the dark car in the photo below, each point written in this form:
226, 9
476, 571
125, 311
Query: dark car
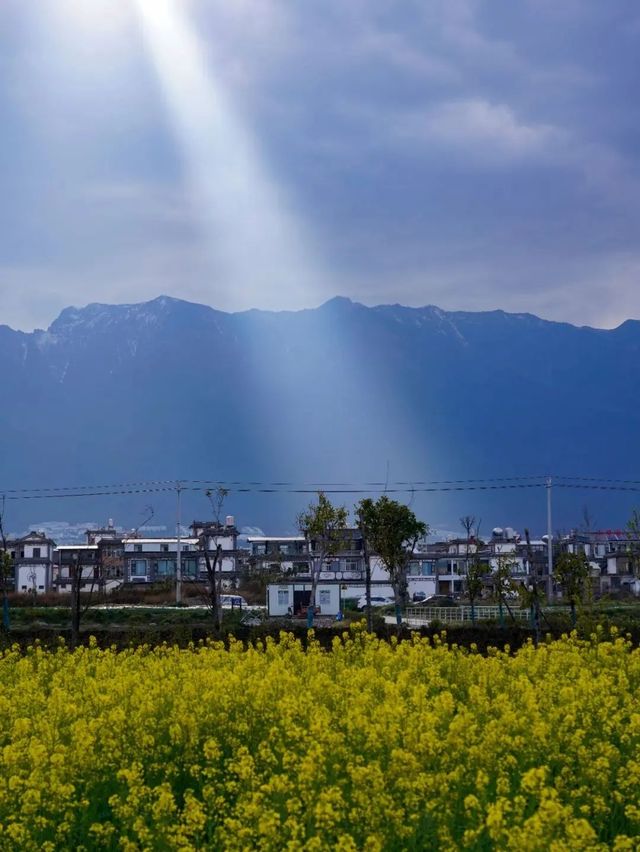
439, 601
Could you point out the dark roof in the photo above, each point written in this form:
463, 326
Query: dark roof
36, 536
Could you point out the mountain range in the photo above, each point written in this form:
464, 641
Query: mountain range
347, 394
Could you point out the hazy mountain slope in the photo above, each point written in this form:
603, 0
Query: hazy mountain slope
168, 389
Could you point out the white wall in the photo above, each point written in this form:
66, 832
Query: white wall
31, 578
133, 547
226, 542
280, 597
45, 551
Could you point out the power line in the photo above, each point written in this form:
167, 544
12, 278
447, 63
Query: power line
66, 495
313, 485
239, 487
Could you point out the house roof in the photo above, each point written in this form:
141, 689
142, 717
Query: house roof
257, 538
35, 536
174, 540
70, 547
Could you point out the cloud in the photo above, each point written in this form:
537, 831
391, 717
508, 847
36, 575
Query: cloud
481, 130
444, 151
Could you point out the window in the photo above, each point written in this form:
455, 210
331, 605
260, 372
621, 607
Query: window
324, 597
164, 548
189, 567
138, 567
137, 548
165, 567
41, 587
36, 553
283, 597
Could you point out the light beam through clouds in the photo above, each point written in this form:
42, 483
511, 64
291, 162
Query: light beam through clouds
256, 244
262, 249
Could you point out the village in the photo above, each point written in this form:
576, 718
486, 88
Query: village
277, 571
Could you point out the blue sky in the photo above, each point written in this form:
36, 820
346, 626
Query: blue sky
273, 154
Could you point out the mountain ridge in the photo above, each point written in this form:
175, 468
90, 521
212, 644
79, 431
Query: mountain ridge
169, 389
335, 301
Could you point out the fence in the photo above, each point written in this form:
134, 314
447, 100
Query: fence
423, 615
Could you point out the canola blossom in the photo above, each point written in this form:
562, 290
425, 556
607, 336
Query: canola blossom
371, 745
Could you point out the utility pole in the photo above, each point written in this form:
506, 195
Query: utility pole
178, 545
549, 541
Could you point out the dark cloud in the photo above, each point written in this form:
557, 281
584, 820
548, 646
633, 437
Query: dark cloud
448, 151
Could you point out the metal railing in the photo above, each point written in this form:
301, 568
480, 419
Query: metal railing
459, 614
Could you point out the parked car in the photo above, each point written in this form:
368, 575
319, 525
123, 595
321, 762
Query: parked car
439, 601
376, 600
419, 597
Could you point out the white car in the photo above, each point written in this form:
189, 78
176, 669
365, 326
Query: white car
376, 600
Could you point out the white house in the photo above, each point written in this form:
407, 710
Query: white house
76, 557
148, 560
33, 562
293, 598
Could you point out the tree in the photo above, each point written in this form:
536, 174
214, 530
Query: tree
588, 520
213, 556
503, 583
572, 573
6, 568
475, 584
363, 513
323, 525
530, 593
633, 531
468, 523
75, 571
393, 532
76, 576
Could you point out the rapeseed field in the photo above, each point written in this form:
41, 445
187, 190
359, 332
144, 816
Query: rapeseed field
372, 745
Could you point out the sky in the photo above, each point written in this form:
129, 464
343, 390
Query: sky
472, 154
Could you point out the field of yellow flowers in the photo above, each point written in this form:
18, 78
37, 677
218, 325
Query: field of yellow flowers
372, 745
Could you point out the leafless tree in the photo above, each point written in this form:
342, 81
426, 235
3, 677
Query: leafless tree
588, 520
468, 523
6, 565
213, 555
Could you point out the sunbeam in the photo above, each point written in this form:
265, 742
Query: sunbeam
255, 242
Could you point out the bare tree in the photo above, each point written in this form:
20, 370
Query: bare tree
148, 514
362, 516
6, 567
76, 570
212, 549
588, 520
633, 547
468, 523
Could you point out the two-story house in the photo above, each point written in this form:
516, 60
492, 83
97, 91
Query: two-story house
153, 560
33, 561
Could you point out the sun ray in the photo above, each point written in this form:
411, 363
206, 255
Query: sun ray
255, 240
